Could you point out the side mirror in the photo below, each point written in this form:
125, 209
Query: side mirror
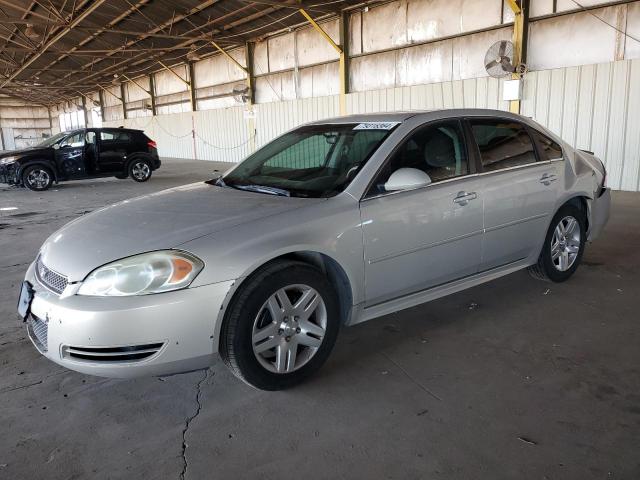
406, 179
56, 146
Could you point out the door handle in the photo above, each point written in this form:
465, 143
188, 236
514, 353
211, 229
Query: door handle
463, 197
547, 178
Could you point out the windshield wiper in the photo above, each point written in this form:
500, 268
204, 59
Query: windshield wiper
263, 189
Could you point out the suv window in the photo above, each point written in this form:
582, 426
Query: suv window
73, 141
115, 136
502, 144
438, 150
549, 150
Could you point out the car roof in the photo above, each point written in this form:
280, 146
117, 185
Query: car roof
427, 114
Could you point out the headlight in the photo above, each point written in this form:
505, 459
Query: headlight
6, 160
153, 272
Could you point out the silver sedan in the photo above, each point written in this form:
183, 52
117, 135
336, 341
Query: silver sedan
333, 223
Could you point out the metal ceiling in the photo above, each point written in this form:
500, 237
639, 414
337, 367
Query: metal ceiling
52, 50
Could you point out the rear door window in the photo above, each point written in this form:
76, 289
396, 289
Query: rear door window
115, 136
549, 150
502, 144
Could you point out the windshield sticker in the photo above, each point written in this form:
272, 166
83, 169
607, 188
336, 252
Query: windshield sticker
376, 126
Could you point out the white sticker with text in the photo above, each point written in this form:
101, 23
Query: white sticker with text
376, 126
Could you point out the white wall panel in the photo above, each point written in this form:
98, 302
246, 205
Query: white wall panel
222, 135
630, 176
281, 52
384, 27
167, 82
219, 69
134, 92
572, 40
313, 48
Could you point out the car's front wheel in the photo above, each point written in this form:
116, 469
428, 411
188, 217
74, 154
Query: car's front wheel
37, 178
140, 170
563, 245
281, 326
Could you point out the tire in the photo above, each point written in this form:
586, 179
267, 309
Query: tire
140, 170
563, 246
37, 178
249, 317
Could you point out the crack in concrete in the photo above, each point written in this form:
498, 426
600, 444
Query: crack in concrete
188, 422
410, 377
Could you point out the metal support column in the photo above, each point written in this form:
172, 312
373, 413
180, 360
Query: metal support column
192, 86
84, 112
101, 100
124, 100
152, 94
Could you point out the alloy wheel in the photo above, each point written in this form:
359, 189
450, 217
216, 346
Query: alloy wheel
565, 243
38, 178
289, 328
140, 170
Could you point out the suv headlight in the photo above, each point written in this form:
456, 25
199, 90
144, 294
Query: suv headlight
7, 160
143, 274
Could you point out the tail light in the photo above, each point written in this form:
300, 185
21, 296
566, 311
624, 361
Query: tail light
152, 144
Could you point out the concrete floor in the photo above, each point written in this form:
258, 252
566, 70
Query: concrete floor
512, 379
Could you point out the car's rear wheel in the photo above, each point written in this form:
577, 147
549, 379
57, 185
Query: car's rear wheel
37, 178
281, 326
563, 245
140, 170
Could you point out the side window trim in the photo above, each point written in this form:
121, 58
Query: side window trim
525, 127
432, 123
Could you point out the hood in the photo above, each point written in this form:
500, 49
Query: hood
24, 151
158, 221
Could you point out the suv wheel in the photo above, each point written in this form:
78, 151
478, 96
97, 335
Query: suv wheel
281, 326
563, 246
37, 178
140, 170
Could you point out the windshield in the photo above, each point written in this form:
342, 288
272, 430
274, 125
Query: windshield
311, 161
51, 140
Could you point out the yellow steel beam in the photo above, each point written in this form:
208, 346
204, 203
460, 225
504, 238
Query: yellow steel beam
342, 64
320, 30
226, 54
514, 6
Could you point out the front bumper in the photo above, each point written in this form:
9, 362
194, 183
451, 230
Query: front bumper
600, 207
82, 333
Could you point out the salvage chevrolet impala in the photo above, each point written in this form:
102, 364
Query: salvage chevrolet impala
333, 223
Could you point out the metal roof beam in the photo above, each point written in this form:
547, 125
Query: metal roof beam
54, 40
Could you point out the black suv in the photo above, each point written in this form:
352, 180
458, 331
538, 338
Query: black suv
80, 154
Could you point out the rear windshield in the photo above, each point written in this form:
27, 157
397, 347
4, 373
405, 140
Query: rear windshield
311, 161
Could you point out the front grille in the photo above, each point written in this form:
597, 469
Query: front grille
50, 279
133, 353
38, 332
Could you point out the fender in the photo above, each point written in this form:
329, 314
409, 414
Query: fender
42, 162
306, 254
